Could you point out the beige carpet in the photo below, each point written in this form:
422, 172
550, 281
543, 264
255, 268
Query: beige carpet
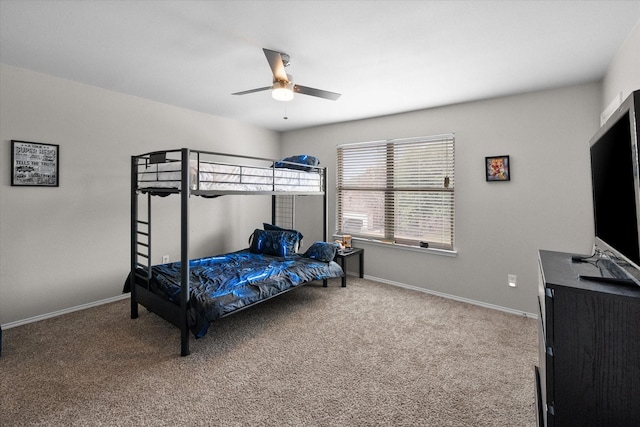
369, 354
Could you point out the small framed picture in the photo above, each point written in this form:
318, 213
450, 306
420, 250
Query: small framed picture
34, 164
497, 168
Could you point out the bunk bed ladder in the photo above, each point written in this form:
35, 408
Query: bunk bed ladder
140, 240
143, 244
140, 229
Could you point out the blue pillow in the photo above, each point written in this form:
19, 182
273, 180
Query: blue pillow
322, 251
268, 227
272, 242
301, 161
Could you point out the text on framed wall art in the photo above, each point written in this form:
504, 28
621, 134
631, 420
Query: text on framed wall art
34, 164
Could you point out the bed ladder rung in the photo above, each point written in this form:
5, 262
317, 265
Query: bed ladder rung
143, 240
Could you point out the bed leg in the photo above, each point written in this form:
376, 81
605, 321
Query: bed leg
184, 341
134, 309
324, 283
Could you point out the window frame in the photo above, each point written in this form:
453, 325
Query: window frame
419, 194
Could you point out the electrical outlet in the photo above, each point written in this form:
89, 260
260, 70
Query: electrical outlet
512, 280
165, 259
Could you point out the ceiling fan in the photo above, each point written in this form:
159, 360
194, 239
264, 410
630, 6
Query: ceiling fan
283, 86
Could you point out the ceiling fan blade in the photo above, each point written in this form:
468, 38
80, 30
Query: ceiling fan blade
276, 64
316, 92
260, 89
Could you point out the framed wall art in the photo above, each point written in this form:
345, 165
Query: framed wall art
34, 164
497, 168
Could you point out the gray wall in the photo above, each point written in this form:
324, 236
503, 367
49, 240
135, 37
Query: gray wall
68, 246
499, 226
65, 247
623, 75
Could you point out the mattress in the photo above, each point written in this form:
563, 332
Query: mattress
208, 176
220, 285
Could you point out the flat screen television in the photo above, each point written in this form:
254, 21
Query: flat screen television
615, 171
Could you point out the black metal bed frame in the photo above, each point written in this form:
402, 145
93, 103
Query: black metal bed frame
141, 233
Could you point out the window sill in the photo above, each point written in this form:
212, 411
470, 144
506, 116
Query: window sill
433, 251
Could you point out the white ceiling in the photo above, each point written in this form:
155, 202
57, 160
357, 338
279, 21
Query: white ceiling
384, 57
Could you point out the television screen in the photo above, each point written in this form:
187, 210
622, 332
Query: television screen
614, 169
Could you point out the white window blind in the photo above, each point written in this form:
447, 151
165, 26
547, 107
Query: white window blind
398, 191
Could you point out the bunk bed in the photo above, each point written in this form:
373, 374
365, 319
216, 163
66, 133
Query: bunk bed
193, 293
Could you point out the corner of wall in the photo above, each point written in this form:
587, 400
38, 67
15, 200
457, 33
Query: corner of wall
623, 75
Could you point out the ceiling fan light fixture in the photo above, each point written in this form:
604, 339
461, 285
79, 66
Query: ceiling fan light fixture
282, 91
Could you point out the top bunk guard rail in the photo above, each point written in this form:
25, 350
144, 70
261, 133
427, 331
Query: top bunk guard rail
214, 174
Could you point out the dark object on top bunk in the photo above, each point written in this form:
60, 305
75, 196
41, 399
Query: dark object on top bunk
300, 162
183, 294
155, 158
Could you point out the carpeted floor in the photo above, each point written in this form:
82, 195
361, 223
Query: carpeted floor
369, 354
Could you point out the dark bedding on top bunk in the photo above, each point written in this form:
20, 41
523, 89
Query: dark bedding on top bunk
225, 283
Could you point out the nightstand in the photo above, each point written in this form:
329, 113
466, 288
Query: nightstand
341, 258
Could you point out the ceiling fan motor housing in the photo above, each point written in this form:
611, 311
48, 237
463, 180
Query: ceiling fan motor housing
286, 60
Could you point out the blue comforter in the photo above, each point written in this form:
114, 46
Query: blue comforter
225, 283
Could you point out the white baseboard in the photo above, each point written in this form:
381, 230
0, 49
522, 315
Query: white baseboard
453, 297
377, 279
65, 311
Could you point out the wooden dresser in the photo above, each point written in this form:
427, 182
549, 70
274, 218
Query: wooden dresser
589, 344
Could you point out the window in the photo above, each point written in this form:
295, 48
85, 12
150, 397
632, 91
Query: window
398, 191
